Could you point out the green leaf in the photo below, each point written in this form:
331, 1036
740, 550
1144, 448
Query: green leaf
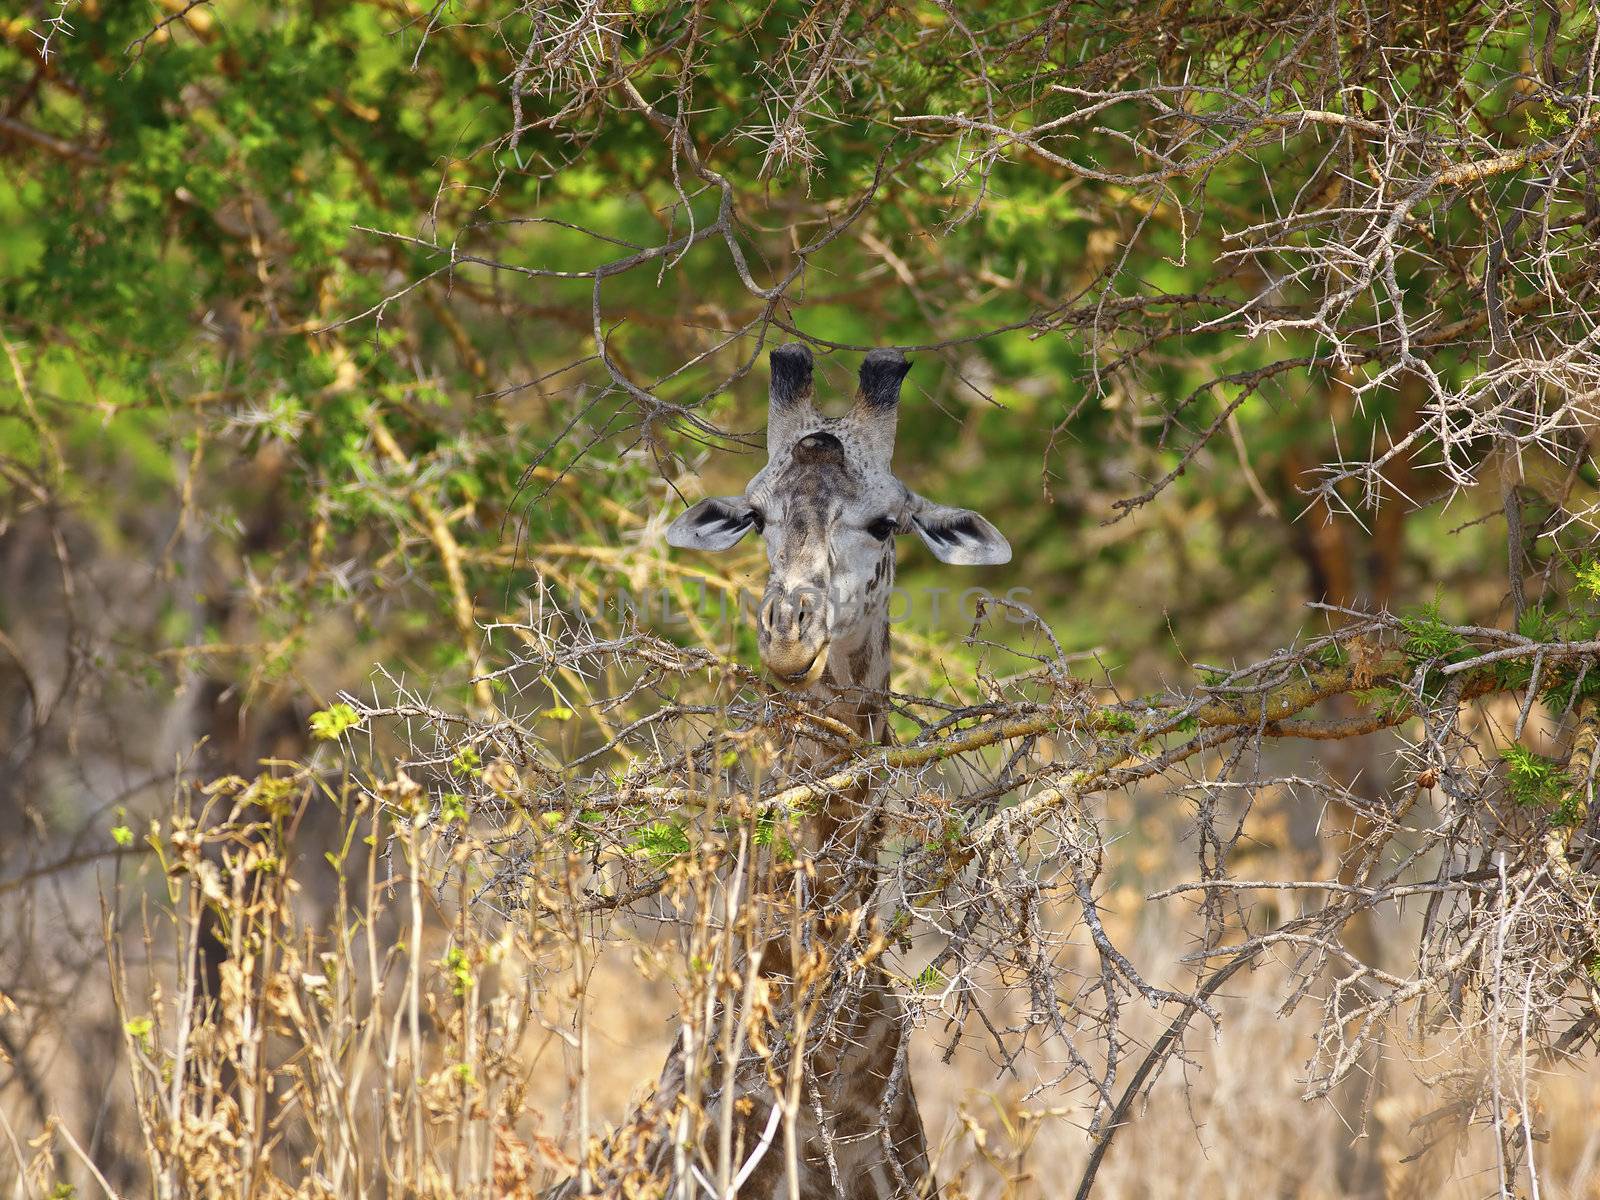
1588, 577
330, 723
458, 966
1427, 635
1537, 624
660, 841
1533, 780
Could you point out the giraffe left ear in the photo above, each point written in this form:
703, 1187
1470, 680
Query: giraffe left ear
959, 535
716, 523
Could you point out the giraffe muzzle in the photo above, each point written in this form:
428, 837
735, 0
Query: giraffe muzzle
793, 638
795, 667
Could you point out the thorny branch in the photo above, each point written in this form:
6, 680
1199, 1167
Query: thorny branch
1404, 230
988, 910
1413, 226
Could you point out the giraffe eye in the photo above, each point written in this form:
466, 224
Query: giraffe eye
882, 527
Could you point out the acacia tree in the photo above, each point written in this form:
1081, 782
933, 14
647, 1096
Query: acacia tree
1210, 287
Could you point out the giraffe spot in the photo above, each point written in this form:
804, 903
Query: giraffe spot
861, 661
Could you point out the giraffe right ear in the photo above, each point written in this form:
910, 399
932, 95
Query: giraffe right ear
716, 523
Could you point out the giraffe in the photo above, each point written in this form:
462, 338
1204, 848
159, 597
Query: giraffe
828, 506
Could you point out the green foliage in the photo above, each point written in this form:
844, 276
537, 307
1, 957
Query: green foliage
332, 722
1427, 634
140, 1029
1390, 703
660, 841
245, 382
1532, 780
1547, 120
1562, 681
930, 979
1538, 624
122, 832
1566, 684
773, 831
1588, 577
286, 342
206, 286
457, 966
1112, 721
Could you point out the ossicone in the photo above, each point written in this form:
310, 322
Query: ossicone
819, 447
791, 373
882, 372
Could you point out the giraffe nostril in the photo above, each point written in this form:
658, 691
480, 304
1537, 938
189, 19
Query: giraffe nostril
796, 614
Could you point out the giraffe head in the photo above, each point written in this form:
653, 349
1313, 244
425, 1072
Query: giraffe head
828, 506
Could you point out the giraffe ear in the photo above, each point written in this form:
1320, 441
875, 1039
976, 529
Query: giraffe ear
716, 523
958, 535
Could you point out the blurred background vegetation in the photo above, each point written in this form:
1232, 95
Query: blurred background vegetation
315, 364
256, 412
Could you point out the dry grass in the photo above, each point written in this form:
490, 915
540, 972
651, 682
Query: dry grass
376, 1032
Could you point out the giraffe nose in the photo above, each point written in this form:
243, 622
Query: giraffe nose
791, 614
793, 631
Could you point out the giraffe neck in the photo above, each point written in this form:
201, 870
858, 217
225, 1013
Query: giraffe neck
857, 674
842, 831
838, 835
857, 1129
867, 1120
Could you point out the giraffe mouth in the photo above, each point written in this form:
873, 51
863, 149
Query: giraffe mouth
808, 675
